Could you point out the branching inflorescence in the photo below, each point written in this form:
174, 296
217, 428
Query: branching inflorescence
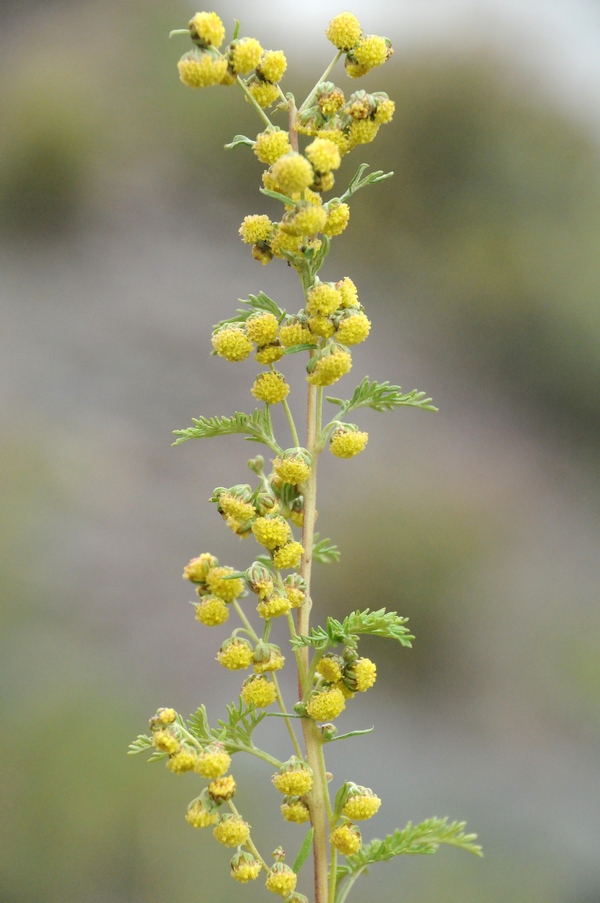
331, 320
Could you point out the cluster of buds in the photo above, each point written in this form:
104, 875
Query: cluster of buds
345, 123
215, 587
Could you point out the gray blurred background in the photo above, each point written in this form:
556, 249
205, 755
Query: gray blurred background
479, 266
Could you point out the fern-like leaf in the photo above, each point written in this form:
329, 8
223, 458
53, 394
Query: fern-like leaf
376, 623
325, 551
382, 397
256, 426
357, 181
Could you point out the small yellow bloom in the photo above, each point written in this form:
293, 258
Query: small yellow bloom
245, 55
165, 742
198, 568
305, 220
274, 606
323, 298
274, 663
295, 595
211, 611
348, 291
270, 387
256, 228
288, 556
271, 145
338, 216
272, 65
296, 810
201, 71
321, 326
361, 804
326, 704
292, 468
222, 789
348, 694
213, 761
353, 329
323, 154
264, 93
263, 253
338, 137
344, 31
364, 673
346, 839
199, 817
330, 102
232, 831
236, 655
292, 172
232, 343
209, 28
182, 761
295, 780
347, 443
258, 691
244, 867
330, 667
371, 51
227, 590
283, 242
269, 354
331, 368
362, 131
271, 532
167, 716
281, 879
384, 112
295, 333
236, 507
262, 328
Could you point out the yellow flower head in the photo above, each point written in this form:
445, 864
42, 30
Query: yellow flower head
264, 93
294, 778
293, 332
353, 329
384, 112
323, 154
272, 65
236, 507
362, 131
363, 674
167, 716
330, 368
348, 694
269, 354
235, 655
222, 789
244, 867
257, 690
256, 228
338, 216
322, 326
208, 28
348, 291
213, 761
259, 579
330, 667
283, 242
245, 55
271, 532
295, 809
295, 594
323, 298
227, 590
292, 172
232, 831
347, 443
344, 31
325, 705
371, 51
288, 556
201, 70
263, 253
198, 568
198, 815
271, 145
293, 467
361, 803
182, 761
262, 328
307, 219
338, 137
211, 611
274, 606
232, 343
165, 742
281, 879
270, 387
346, 839
267, 657
330, 102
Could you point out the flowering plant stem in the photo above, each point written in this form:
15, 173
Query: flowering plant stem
330, 321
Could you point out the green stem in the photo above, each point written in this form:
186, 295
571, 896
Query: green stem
319, 411
245, 620
190, 737
332, 881
290, 420
261, 754
249, 842
345, 889
325, 783
323, 78
254, 103
308, 682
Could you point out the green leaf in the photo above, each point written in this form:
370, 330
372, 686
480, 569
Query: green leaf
294, 349
304, 851
357, 182
240, 139
198, 726
369, 730
141, 744
376, 623
382, 397
256, 426
340, 801
324, 551
237, 732
279, 197
260, 302
424, 838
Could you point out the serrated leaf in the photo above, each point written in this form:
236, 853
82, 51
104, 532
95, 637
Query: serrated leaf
256, 426
240, 139
260, 302
325, 551
304, 851
236, 733
382, 397
198, 726
357, 181
376, 623
158, 756
140, 744
424, 838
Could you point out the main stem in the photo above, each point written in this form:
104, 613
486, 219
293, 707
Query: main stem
312, 740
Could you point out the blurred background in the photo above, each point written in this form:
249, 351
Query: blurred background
478, 264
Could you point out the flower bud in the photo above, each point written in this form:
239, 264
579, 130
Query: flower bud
295, 809
361, 803
245, 867
259, 579
200, 815
235, 654
213, 761
258, 691
295, 589
267, 657
232, 831
294, 778
198, 568
222, 789
293, 466
281, 879
346, 839
330, 667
